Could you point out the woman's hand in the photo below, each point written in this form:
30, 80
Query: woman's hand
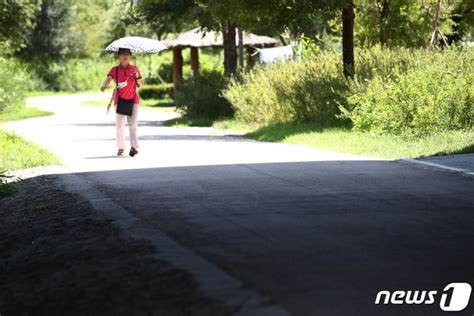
105, 85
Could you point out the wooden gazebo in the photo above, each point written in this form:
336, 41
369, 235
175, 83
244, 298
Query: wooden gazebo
201, 37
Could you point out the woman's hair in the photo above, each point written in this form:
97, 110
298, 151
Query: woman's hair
124, 51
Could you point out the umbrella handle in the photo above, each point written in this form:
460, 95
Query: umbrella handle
111, 100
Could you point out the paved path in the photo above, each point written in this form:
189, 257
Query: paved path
461, 163
307, 232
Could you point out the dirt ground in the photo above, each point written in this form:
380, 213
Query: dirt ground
58, 258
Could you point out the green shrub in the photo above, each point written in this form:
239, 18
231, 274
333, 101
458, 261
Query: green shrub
156, 91
435, 93
166, 72
6, 189
200, 96
398, 91
310, 90
13, 85
80, 74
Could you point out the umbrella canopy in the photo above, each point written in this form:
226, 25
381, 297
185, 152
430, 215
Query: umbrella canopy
137, 45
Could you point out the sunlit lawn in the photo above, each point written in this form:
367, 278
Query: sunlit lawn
17, 153
22, 112
345, 140
182, 122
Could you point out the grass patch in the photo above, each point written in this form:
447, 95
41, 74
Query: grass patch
5, 188
184, 121
344, 140
22, 112
233, 125
17, 153
158, 103
227, 124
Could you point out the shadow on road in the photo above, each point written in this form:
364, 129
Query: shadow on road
321, 238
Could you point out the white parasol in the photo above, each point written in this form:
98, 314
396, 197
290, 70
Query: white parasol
137, 45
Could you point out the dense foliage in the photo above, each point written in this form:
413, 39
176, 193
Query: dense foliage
299, 91
157, 91
407, 92
53, 38
14, 85
201, 96
400, 23
5, 188
17, 19
434, 94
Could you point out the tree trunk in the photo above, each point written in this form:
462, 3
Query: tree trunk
195, 61
241, 49
177, 67
348, 17
230, 49
382, 22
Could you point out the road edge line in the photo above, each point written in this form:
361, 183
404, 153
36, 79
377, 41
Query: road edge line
439, 166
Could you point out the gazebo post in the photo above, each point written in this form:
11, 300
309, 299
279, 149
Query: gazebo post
195, 60
250, 57
177, 67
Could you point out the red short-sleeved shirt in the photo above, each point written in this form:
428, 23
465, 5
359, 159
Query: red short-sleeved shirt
128, 74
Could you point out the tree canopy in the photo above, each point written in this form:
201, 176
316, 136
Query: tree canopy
47, 31
17, 19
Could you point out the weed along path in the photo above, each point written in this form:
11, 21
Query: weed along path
263, 228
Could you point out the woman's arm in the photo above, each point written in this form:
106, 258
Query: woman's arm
106, 83
138, 77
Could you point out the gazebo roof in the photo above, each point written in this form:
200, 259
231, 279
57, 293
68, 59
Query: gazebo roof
201, 37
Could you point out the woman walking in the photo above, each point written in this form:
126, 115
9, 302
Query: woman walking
127, 78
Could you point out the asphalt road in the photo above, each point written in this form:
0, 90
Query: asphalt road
320, 233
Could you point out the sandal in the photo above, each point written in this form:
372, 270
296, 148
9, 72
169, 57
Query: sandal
120, 152
133, 152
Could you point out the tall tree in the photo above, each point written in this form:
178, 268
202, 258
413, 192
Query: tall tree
303, 16
167, 16
230, 47
17, 19
440, 13
53, 38
93, 18
463, 18
298, 17
225, 15
348, 17
407, 23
